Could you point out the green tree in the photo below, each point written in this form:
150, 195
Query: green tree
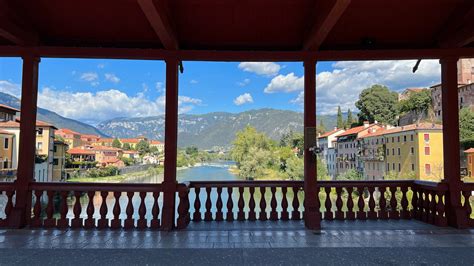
253, 166
417, 101
322, 170
246, 139
349, 119
321, 128
143, 147
295, 168
116, 143
126, 146
351, 174
378, 103
466, 127
340, 120
192, 150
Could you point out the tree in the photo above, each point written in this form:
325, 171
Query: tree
142, 147
246, 139
340, 121
126, 146
417, 101
321, 128
351, 174
192, 150
295, 168
378, 103
466, 127
349, 119
322, 170
116, 143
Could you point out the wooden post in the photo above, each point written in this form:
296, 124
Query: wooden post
312, 216
457, 217
171, 139
26, 155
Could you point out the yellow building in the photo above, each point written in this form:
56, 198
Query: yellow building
59, 160
470, 162
6, 150
414, 151
72, 138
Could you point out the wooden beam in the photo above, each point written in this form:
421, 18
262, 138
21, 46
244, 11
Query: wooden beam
234, 56
325, 21
459, 30
10, 30
160, 22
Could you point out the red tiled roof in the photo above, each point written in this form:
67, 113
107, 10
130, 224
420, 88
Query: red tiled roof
90, 136
16, 124
5, 132
470, 150
156, 142
9, 108
106, 140
130, 140
104, 148
354, 130
81, 151
111, 160
67, 131
420, 126
327, 134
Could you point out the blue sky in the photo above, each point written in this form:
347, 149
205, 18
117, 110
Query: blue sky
96, 90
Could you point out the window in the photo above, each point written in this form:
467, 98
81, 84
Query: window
399, 152
388, 152
427, 169
426, 137
5, 143
411, 137
39, 146
413, 167
393, 166
405, 138
393, 139
398, 139
412, 150
387, 140
39, 131
427, 150
388, 167
5, 163
55, 148
55, 161
393, 151
399, 167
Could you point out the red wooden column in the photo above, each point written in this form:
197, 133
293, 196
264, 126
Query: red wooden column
457, 217
171, 140
26, 154
312, 216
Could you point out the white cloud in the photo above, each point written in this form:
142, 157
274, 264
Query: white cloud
193, 81
10, 88
243, 99
285, 83
244, 82
260, 68
91, 77
102, 105
100, 66
112, 78
342, 85
159, 86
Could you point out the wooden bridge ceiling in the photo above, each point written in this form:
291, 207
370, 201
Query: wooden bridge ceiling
286, 25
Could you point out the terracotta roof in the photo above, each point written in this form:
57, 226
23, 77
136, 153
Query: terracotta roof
130, 140
16, 124
470, 150
111, 160
106, 140
156, 142
379, 132
327, 134
9, 108
90, 136
81, 151
354, 130
67, 131
104, 148
420, 126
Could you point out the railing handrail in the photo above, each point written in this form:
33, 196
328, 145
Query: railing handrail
246, 183
431, 185
78, 186
7, 186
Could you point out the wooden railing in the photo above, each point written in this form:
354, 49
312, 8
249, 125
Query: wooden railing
429, 202
95, 205
7, 194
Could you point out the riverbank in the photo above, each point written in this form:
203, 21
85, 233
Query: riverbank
118, 178
268, 174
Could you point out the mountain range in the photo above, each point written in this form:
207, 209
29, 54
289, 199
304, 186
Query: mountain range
202, 130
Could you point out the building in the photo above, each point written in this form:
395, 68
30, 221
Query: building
103, 142
133, 141
89, 139
8, 113
59, 160
372, 154
82, 158
7, 140
158, 144
135, 155
325, 143
331, 162
465, 70
470, 162
72, 138
105, 155
347, 148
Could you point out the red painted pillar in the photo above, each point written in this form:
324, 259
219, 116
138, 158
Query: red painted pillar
457, 217
26, 154
312, 216
171, 140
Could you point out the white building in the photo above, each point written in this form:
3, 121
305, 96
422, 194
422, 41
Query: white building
326, 148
